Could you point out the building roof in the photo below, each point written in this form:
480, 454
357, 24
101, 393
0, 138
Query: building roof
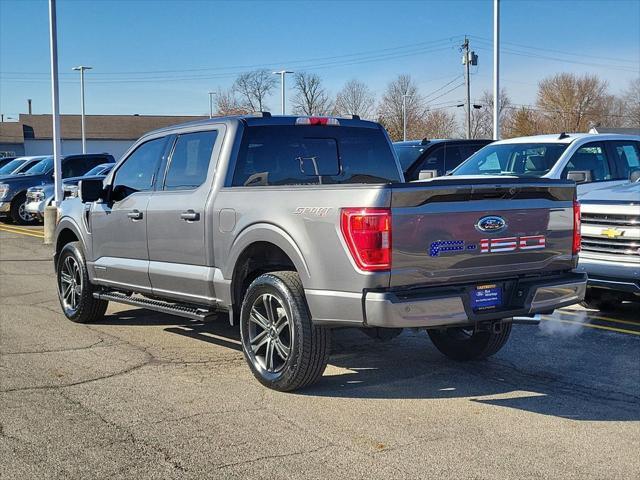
104, 127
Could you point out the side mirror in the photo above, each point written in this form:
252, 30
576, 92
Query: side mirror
579, 176
634, 176
427, 174
90, 190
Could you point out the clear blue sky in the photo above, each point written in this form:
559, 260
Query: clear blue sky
161, 57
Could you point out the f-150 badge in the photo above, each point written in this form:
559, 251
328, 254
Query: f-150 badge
488, 245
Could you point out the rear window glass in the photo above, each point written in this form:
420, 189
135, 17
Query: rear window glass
313, 155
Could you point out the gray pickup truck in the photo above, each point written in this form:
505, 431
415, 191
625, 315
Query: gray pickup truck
296, 225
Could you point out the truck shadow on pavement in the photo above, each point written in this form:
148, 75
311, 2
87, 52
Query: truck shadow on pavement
590, 376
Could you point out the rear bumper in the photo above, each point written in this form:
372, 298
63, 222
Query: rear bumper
444, 306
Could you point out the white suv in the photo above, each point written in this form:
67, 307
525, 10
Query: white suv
592, 160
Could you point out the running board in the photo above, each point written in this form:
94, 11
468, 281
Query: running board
179, 309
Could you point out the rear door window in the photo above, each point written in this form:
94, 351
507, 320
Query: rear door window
313, 155
189, 162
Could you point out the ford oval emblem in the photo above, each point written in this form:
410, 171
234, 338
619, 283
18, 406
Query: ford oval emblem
491, 224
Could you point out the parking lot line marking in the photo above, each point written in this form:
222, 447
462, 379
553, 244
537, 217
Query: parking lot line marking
24, 229
591, 325
3, 228
608, 319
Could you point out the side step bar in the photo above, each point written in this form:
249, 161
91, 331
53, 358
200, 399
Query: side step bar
179, 309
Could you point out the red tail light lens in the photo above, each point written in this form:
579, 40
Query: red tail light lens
367, 232
576, 228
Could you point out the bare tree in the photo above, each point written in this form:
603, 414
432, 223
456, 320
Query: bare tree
253, 88
523, 122
631, 98
355, 98
572, 103
227, 103
390, 108
482, 119
311, 98
439, 124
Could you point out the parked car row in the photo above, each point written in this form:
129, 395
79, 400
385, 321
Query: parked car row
38, 172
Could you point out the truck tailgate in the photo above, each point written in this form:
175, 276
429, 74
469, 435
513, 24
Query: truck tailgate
453, 230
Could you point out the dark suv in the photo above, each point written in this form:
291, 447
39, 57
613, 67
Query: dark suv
434, 158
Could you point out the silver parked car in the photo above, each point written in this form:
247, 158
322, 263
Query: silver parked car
611, 245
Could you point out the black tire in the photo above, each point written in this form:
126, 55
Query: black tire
467, 344
597, 299
17, 213
84, 308
308, 345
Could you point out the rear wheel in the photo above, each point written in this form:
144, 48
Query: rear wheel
284, 350
468, 343
74, 290
18, 213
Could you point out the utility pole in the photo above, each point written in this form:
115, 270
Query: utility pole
29, 106
211, 94
81, 69
404, 116
468, 58
496, 69
282, 73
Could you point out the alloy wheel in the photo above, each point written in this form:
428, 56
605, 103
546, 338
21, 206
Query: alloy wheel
70, 283
270, 334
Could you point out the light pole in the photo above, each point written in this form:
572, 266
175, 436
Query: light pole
496, 69
211, 94
282, 73
404, 115
81, 69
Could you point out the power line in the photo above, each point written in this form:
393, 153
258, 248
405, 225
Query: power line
574, 54
411, 46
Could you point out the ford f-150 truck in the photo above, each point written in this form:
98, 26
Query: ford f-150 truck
296, 225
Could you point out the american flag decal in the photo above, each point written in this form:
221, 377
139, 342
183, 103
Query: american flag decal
510, 244
532, 242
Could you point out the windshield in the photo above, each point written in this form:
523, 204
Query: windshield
11, 166
408, 154
514, 159
43, 166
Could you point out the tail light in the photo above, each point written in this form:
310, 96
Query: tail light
367, 232
318, 121
576, 228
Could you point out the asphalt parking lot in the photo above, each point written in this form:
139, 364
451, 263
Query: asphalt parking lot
146, 395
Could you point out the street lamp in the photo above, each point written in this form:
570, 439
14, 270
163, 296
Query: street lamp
81, 69
404, 115
211, 94
282, 73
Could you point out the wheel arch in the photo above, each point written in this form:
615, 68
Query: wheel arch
260, 249
66, 232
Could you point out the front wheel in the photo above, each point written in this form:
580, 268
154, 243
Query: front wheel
284, 350
468, 343
19, 214
74, 290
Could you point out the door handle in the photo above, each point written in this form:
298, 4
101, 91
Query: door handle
134, 214
190, 216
